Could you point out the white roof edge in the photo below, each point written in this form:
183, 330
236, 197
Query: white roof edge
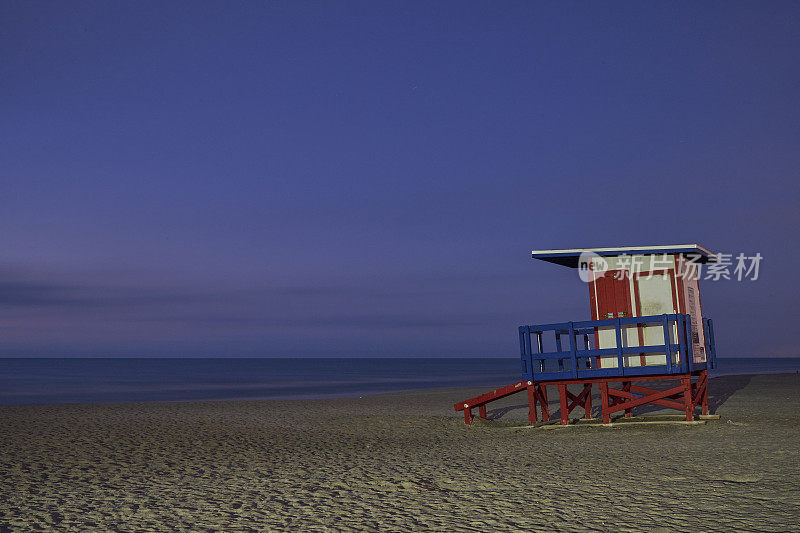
626, 249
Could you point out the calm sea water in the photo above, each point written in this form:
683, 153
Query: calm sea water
40, 380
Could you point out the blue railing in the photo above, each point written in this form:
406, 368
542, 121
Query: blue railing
579, 359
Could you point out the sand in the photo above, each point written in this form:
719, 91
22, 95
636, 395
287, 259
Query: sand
400, 462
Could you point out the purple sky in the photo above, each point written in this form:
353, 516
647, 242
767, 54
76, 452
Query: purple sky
290, 178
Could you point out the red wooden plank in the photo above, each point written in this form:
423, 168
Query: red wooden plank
562, 396
617, 379
580, 399
674, 392
647, 399
681, 303
493, 395
662, 402
643, 390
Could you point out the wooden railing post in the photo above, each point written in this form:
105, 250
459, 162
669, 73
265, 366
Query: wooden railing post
573, 348
667, 344
686, 365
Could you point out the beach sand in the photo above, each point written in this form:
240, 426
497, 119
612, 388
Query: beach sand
402, 461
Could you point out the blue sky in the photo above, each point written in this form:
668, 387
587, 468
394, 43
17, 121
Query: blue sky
294, 178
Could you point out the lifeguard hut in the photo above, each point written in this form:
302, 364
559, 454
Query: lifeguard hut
646, 324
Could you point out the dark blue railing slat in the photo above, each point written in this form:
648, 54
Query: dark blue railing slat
620, 360
688, 361
573, 349
667, 343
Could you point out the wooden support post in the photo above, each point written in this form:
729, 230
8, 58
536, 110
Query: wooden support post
687, 397
532, 404
604, 400
587, 405
700, 392
544, 402
482, 411
468, 415
562, 396
704, 379
626, 386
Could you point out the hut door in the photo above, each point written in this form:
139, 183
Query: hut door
613, 295
613, 300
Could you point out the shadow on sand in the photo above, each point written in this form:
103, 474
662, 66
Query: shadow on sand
719, 390
722, 388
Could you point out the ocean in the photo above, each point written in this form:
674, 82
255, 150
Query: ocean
89, 380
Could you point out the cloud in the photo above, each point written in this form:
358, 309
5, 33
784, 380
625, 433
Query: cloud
30, 294
387, 320
398, 305
21, 293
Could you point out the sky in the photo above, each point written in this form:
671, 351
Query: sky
369, 178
